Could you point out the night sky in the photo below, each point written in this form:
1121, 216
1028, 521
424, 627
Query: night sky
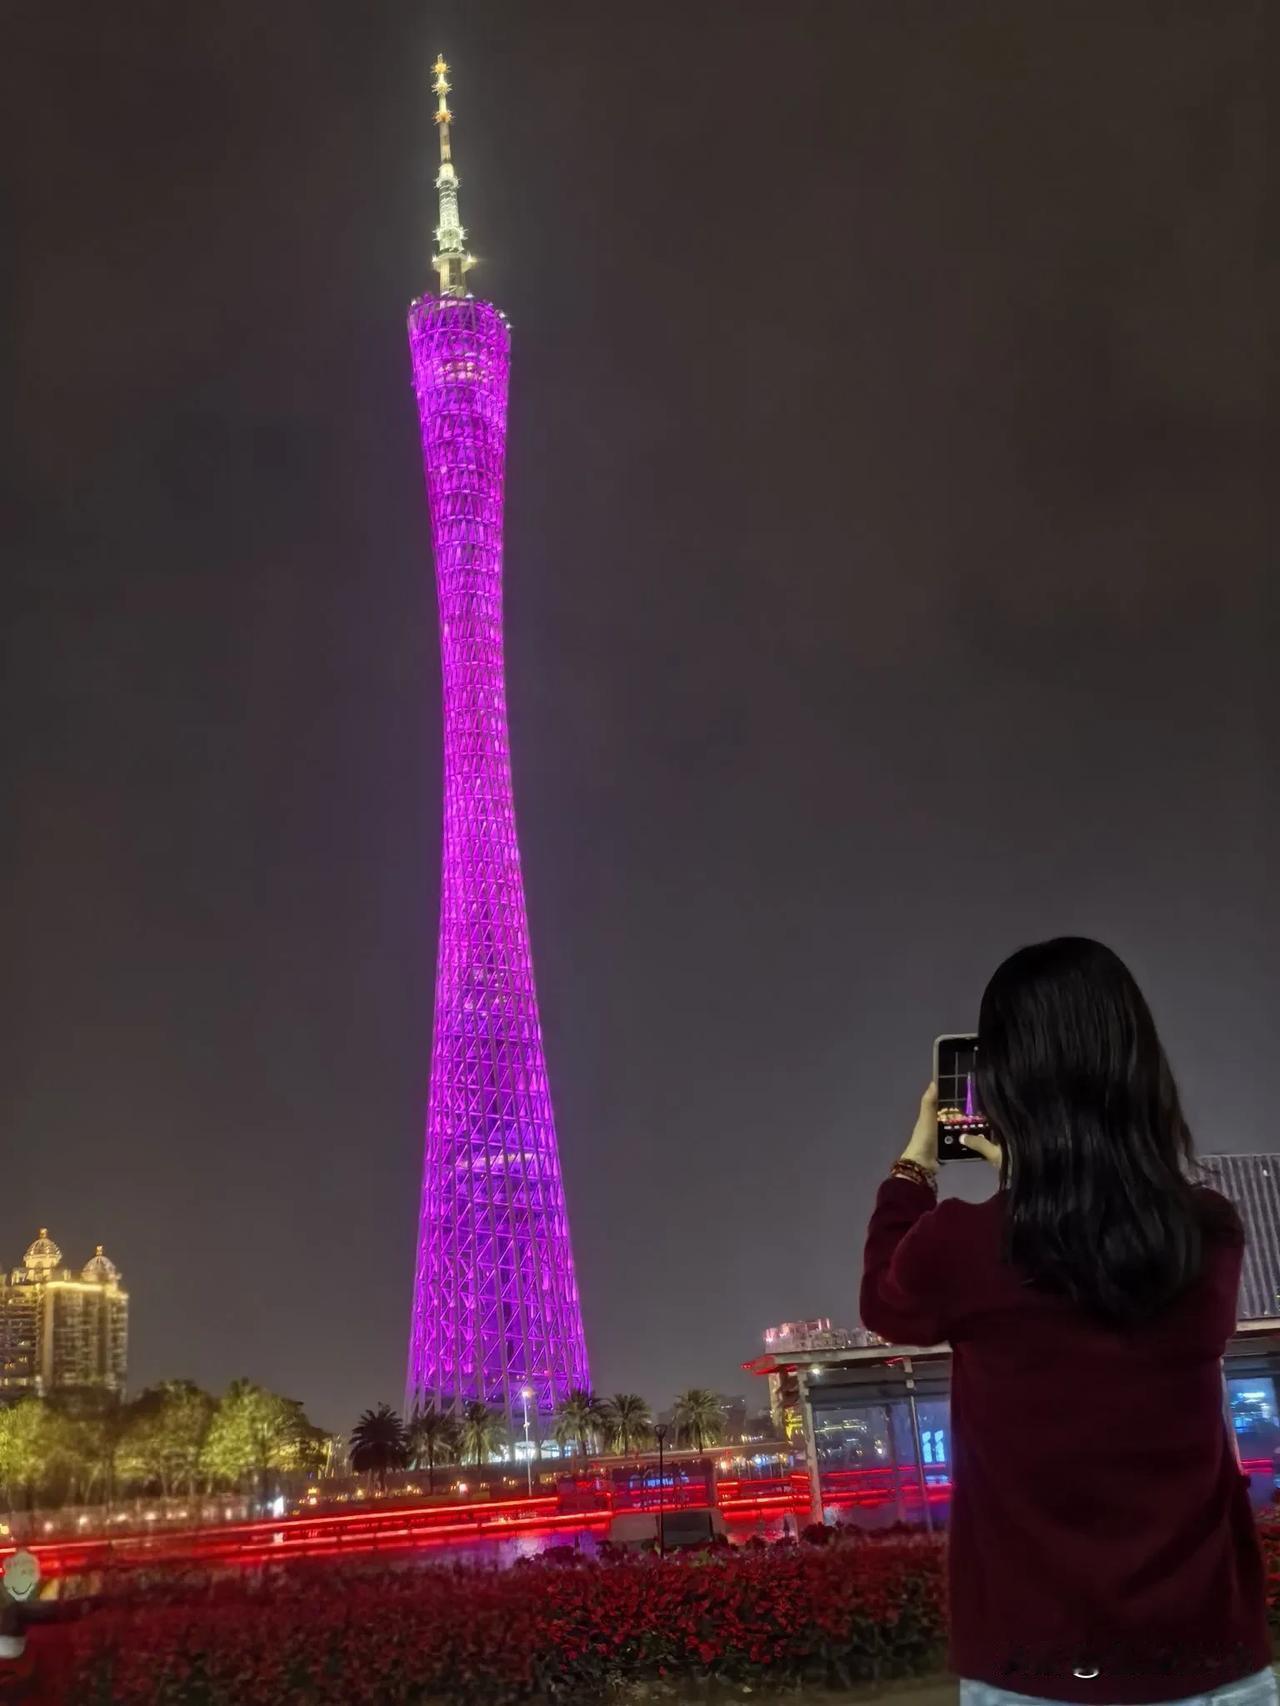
887, 586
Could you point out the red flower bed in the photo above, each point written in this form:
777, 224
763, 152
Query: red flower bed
549, 1630
1269, 1534
538, 1631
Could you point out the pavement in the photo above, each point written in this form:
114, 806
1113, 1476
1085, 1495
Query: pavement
940, 1689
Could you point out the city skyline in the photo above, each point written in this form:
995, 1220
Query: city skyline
964, 500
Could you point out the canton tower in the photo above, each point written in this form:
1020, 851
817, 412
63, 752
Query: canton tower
496, 1316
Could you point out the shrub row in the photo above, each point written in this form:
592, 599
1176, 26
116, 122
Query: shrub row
556, 1629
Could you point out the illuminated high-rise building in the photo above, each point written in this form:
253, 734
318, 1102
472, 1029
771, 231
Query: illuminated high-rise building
496, 1316
59, 1328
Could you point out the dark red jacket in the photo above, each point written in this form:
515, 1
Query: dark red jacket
1099, 1516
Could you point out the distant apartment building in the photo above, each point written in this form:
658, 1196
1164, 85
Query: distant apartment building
61, 1329
1253, 1184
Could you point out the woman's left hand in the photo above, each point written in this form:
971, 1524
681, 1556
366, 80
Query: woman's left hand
923, 1147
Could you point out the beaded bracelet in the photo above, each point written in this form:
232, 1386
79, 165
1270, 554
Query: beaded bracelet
913, 1170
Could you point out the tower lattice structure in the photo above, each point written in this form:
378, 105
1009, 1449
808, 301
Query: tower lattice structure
495, 1301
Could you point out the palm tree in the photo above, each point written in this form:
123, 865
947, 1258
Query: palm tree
580, 1419
698, 1417
479, 1431
629, 1421
431, 1437
378, 1443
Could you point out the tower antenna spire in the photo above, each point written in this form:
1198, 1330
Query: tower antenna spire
451, 260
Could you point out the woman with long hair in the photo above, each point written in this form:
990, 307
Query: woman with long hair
1102, 1546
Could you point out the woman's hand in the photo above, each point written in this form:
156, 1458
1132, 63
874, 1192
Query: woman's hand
924, 1139
983, 1146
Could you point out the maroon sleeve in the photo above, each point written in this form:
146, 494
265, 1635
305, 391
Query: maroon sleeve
906, 1273
1221, 1217
1230, 1258
1225, 1241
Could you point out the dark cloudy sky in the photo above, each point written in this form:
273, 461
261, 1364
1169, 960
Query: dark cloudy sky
887, 586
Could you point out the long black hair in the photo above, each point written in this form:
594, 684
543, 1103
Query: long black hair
1102, 1205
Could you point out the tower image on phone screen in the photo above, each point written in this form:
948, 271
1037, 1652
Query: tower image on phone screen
955, 1073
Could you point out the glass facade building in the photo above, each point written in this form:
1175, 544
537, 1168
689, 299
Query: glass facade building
881, 1415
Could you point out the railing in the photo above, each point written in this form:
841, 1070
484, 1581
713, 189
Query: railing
397, 1528
311, 1536
327, 1534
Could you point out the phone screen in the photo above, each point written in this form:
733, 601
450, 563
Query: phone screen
955, 1073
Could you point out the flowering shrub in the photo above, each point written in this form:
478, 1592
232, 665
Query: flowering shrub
472, 1636
560, 1630
1269, 1535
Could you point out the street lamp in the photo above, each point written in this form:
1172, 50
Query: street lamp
526, 1394
661, 1432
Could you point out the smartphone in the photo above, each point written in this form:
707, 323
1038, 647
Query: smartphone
955, 1062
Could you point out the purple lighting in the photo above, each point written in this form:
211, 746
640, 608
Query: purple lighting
495, 1301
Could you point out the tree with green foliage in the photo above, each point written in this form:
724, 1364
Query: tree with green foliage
167, 1430
581, 1420
93, 1424
698, 1417
628, 1421
256, 1433
24, 1450
479, 1433
60, 1449
378, 1444
309, 1449
431, 1437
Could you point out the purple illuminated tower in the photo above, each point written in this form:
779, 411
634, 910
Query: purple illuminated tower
495, 1301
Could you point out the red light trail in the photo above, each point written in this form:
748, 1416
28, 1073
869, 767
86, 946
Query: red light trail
428, 1527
